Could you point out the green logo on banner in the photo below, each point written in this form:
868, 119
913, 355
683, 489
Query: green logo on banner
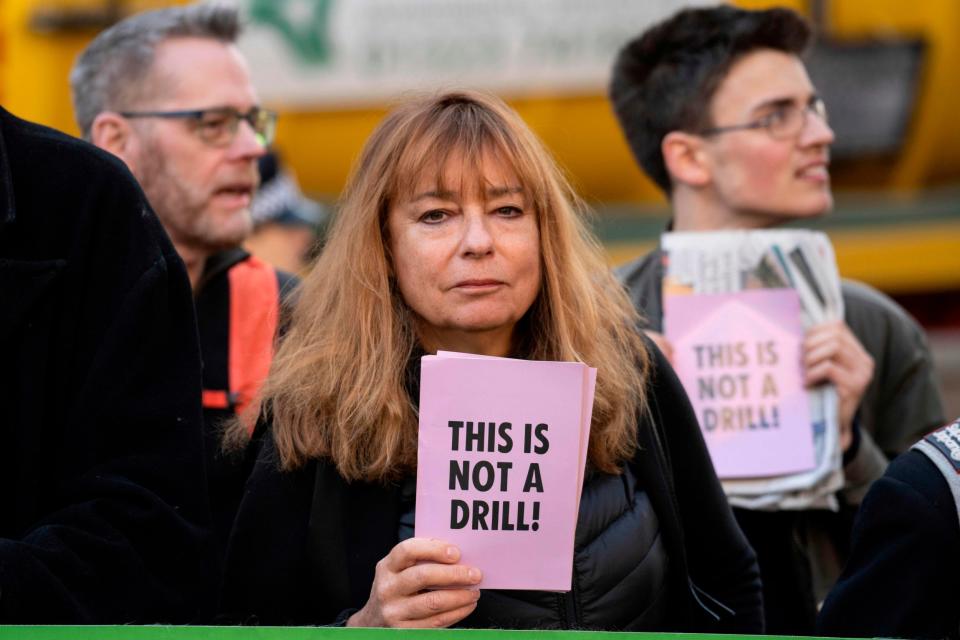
304, 25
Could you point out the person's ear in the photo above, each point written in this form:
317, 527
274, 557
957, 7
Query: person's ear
114, 133
685, 158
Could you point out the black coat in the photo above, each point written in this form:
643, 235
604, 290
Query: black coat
103, 513
901, 579
289, 563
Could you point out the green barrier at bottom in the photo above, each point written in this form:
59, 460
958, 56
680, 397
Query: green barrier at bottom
325, 633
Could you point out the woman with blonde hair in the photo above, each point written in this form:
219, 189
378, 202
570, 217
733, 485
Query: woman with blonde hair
458, 232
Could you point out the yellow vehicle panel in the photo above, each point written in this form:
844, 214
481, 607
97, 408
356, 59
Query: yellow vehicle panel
321, 144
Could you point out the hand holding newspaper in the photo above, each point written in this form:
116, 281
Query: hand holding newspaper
740, 284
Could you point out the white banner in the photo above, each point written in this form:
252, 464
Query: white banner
356, 52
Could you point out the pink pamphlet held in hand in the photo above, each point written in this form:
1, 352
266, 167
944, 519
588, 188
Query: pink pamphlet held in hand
738, 357
502, 447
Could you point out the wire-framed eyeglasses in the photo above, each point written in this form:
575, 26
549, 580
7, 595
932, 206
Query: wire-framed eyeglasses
785, 121
218, 126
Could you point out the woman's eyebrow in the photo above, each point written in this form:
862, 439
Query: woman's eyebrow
492, 192
437, 195
496, 192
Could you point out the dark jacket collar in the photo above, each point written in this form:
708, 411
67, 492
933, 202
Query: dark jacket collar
7, 208
353, 525
219, 263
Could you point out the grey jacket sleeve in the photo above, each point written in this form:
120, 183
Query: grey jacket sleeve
902, 402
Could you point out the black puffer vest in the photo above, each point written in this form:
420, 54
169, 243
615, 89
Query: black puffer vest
619, 569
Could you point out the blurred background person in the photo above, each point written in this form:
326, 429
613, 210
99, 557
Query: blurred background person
101, 519
718, 109
168, 93
286, 224
458, 232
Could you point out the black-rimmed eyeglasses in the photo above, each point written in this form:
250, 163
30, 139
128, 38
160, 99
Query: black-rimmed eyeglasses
218, 126
785, 121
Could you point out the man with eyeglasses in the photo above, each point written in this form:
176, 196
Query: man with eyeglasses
719, 111
169, 93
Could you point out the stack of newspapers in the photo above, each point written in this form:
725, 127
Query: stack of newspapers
733, 261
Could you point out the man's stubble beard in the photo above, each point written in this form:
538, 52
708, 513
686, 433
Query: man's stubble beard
181, 212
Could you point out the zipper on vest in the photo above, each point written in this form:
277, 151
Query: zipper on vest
575, 602
568, 604
563, 609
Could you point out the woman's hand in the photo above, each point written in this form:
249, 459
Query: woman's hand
399, 596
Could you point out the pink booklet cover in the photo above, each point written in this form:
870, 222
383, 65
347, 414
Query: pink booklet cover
738, 356
502, 448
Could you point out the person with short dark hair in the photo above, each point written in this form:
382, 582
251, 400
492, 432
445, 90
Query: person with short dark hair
663, 79
718, 109
101, 520
169, 93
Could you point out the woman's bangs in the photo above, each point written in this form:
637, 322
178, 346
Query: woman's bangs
467, 138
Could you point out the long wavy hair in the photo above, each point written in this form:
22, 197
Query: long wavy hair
338, 387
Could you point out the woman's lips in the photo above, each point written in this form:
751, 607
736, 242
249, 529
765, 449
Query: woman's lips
478, 285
